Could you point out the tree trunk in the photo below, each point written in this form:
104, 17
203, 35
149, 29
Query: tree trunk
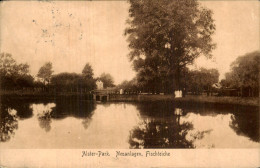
177, 78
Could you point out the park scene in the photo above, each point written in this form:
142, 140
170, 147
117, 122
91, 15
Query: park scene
129, 74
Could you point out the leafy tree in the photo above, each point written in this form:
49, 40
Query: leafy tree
88, 71
245, 74
72, 82
25, 81
165, 36
14, 75
22, 69
38, 84
65, 81
8, 66
45, 72
129, 86
107, 80
202, 79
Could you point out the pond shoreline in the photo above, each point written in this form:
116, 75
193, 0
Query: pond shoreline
196, 99
240, 101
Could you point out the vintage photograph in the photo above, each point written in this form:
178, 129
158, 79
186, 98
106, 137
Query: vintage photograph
135, 74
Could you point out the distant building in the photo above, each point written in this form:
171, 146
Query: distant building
99, 84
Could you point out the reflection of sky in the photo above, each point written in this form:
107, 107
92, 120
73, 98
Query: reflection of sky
108, 128
111, 124
41, 109
12, 112
215, 132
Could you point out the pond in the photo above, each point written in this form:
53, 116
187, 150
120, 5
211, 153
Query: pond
71, 123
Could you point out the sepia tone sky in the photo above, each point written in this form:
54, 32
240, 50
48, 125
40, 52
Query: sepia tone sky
72, 33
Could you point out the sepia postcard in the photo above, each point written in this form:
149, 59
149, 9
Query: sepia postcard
135, 83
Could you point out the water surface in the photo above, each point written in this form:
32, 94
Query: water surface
70, 123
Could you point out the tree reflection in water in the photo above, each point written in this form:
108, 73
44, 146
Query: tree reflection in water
76, 108
44, 117
91, 107
86, 122
23, 108
65, 108
162, 124
246, 124
69, 107
8, 123
45, 121
161, 133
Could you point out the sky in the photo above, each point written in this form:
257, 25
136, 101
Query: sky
72, 33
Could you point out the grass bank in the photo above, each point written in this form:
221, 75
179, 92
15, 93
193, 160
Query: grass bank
243, 101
